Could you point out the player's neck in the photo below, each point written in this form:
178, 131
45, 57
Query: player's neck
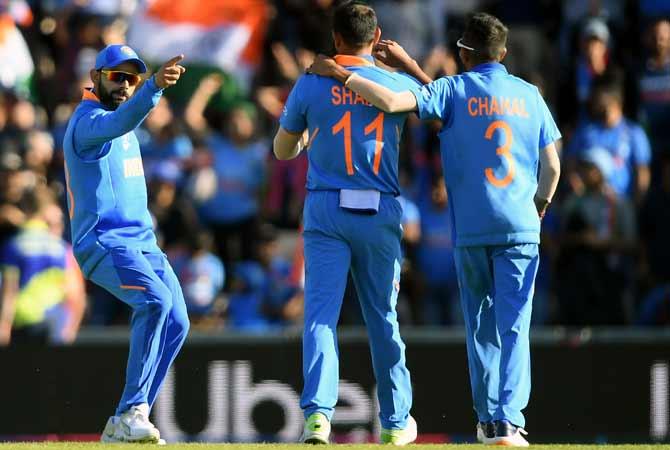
352, 51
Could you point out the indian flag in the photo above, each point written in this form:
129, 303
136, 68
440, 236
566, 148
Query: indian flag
227, 34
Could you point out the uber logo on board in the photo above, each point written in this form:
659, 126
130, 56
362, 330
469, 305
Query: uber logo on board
232, 396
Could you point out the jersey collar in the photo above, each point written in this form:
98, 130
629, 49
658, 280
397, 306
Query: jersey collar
489, 67
89, 95
351, 60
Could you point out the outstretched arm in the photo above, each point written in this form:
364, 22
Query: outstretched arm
195, 109
102, 126
380, 96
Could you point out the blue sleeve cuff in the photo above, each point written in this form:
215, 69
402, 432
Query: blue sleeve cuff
151, 83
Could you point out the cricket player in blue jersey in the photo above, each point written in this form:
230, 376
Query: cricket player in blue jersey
351, 223
112, 231
496, 130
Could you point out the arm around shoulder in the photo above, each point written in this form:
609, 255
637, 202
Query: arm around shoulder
381, 96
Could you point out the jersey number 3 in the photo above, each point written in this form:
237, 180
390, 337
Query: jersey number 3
377, 125
504, 151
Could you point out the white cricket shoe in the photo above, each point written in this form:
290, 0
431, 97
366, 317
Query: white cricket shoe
316, 430
132, 426
404, 436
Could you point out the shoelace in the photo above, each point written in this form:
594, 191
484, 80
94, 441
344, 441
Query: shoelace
522, 431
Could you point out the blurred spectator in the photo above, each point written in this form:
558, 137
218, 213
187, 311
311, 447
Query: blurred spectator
436, 259
245, 309
419, 25
162, 139
38, 151
409, 306
654, 86
65, 318
283, 204
283, 300
303, 24
202, 277
175, 215
593, 61
625, 140
594, 273
238, 162
15, 180
33, 274
654, 225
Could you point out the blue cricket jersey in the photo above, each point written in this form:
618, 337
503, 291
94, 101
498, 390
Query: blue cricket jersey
107, 192
353, 144
494, 126
626, 142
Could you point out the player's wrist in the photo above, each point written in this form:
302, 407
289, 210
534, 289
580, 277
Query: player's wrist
541, 204
343, 75
153, 83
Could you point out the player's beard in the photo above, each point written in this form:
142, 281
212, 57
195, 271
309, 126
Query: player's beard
112, 99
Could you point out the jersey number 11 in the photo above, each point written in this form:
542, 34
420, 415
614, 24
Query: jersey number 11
377, 125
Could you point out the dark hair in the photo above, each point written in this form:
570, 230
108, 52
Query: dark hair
611, 83
487, 35
355, 22
35, 200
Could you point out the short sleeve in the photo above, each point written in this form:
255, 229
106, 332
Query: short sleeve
293, 118
548, 130
433, 100
641, 148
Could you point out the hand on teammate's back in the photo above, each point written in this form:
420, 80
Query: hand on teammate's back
392, 54
323, 65
169, 73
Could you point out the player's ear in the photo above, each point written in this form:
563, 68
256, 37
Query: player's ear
503, 53
95, 76
378, 36
337, 40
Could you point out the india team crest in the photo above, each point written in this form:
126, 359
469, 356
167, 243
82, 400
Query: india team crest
127, 50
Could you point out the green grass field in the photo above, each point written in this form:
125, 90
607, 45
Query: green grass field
81, 446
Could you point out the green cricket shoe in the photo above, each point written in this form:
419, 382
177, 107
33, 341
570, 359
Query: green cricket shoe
317, 429
404, 436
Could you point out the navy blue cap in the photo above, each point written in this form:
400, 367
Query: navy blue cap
113, 55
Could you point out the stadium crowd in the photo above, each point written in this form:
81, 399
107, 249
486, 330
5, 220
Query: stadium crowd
225, 208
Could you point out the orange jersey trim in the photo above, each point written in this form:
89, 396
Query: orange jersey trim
351, 60
133, 288
89, 95
311, 138
69, 192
